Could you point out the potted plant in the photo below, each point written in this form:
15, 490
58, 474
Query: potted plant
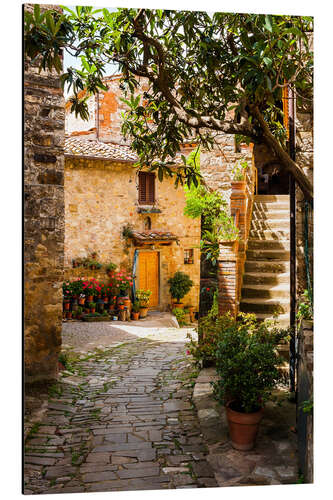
136, 310
91, 288
69, 314
239, 172
143, 296
82, 299
247, 364
110, 268
123, 283
180, 285
92, 307
121, 306
79, 313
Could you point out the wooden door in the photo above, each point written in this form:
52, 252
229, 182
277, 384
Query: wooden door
148, 275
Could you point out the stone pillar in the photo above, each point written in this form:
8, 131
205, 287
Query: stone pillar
44, 120
228, 278
238, 205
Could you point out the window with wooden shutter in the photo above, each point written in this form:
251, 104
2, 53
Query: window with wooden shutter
146, 188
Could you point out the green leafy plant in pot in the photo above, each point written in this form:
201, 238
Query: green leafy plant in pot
136, 310
180, 285
143, 297
247, 364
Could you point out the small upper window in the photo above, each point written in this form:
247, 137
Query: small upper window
146, 188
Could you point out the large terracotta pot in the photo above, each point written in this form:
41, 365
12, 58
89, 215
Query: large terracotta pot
243, 427
143, 312
135, 315
179, 305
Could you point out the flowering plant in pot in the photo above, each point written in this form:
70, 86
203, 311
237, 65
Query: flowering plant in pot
247, 364
180, 285
77, 287
91, 288
124, 282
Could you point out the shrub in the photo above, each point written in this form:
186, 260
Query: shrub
180, 285
212, 326
305, 307
180, 316
247, 364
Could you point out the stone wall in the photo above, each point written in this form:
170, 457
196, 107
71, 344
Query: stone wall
305, 394
304, 158
43, 221
101, 198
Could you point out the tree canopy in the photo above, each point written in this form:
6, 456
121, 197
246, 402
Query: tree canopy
206, 74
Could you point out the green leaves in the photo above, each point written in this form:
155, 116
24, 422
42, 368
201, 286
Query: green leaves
209, 62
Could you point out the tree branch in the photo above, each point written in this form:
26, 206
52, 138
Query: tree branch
269, 139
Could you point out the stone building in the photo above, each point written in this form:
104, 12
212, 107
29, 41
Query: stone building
105, 194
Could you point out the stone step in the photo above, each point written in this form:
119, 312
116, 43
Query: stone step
266, 267
254, 244
282, 320
267, 306
265, 292
271, 198
275, 224
271, 215
268, 255
268, 234
260, 278
263, 207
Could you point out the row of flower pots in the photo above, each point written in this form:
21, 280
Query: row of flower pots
87, 298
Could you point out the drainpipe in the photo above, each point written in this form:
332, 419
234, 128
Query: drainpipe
292, 197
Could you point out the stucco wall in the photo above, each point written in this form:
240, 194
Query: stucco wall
101, 198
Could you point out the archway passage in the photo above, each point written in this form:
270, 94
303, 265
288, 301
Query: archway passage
272, 179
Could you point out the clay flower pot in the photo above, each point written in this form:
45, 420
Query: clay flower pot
238, 186
69, 314
121, 307
243, 427
143, 312
66, 305
81, 301
90, 298
127, 303
93, 309
135, 315
179, 305
111, 307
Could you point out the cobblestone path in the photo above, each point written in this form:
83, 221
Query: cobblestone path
123, 421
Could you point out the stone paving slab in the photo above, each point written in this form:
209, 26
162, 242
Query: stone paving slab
122, 437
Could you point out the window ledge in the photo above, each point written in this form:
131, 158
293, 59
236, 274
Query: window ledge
149, 210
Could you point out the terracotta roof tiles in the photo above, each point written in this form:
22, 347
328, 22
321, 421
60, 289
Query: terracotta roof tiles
76, 146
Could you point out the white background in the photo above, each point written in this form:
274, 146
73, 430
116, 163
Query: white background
11, 243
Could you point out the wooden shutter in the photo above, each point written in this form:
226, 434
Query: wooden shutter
146, 188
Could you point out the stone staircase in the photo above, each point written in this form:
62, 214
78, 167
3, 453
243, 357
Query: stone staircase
265, 287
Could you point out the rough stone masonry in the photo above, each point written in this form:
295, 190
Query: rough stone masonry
44, 123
